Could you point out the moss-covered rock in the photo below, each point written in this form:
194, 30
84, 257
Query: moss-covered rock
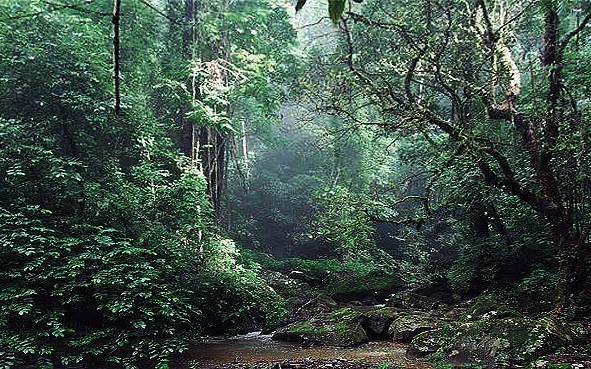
489, 308
489, 338
517, 339
343, 327
572, 357
543, 364
378, 321
546, 336
374, 285
345, 314
303, 302
424, 344
405, 328
410, 300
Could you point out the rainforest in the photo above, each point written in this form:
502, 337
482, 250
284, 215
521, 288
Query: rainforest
268, 184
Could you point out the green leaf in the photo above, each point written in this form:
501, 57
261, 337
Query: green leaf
335, 9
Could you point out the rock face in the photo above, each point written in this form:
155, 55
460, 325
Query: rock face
405, 328
343, 327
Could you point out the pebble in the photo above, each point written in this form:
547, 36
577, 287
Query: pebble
295, 364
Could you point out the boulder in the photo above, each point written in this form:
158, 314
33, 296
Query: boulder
303, 302
343, 327
372, 287
546, 335
282, 284
405, 328
517, 339
489, 308
378, 321
424, 344
572, 357
410, 300
301, 276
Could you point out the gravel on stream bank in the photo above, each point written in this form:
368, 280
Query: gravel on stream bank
307, 363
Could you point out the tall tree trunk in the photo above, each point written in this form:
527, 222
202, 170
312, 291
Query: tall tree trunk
244, 148
563, 227
190, 139
116, 54
212, 142
213, 156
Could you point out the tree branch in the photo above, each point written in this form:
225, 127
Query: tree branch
157, 11
502, 161
510, 185
575, 31
490, 32
54, 8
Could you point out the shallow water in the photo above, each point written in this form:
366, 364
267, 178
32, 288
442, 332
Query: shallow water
254, 347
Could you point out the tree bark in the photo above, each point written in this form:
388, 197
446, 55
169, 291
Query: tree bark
116, 55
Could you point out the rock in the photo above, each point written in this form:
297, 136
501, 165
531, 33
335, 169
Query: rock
303, 302
347, 334
517, 339
572, 357
378, 321
489, 308
301, 332
424, 344
404, 328
409, 300
560, 364
545, 336
439, 290
343, 327
301, 276
372, 287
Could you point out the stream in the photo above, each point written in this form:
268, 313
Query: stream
256, 348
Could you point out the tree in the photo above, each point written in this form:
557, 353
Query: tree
215, 63
450, 67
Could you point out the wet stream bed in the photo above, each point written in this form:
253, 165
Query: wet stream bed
254, 350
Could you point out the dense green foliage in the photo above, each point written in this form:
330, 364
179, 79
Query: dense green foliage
398, 142
107, 245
